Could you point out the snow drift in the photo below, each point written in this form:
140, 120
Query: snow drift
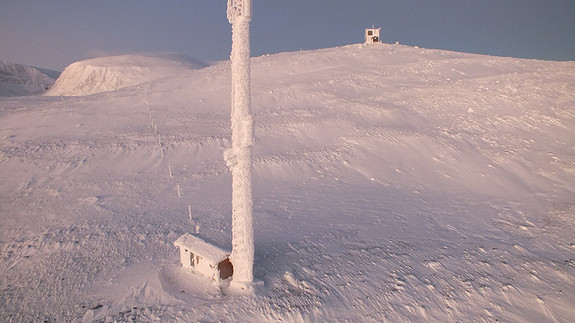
17, 80
115, 72
391, 183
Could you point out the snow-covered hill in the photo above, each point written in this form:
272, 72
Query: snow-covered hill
110, 73
392, 183
17, 80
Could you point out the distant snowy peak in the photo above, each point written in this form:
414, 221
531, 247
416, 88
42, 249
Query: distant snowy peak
17, 80
110, 73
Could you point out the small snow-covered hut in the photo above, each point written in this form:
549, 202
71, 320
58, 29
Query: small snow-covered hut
204, 258
372, 35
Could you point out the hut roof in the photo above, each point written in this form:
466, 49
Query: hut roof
202, 248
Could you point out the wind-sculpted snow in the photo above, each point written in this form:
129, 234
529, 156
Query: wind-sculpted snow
115, 72
391, 183
18, 80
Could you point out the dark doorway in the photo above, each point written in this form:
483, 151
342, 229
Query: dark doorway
226, 268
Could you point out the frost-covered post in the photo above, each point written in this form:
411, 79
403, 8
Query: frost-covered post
239, 157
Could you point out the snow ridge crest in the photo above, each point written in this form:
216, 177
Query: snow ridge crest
18, 80
111, 73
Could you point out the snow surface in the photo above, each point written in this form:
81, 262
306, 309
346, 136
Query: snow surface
391, 183
111, 73
18, 80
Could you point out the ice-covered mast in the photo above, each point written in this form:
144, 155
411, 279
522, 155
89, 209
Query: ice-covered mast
239, 157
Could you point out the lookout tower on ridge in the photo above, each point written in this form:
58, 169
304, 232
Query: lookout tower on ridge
372, 35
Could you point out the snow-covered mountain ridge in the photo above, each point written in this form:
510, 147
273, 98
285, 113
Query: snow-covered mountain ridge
392, 183
17, 79
110, 73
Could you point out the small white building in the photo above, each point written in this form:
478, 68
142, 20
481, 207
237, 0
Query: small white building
204, 258
372, 35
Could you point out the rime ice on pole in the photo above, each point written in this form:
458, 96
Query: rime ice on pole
239, 160
239, 157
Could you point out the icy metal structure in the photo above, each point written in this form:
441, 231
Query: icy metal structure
239, 157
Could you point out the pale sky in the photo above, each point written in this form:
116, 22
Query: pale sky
55, 33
